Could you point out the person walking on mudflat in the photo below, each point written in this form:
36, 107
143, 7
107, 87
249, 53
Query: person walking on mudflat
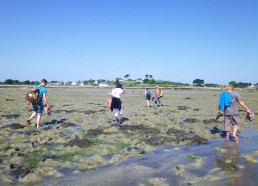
116, 103
147, 95
157, 97
229, 101
38, 107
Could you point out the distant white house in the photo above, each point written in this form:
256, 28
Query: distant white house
74, 83
103, 84
139, 80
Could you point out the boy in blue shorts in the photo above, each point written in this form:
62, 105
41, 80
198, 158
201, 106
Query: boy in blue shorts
38, 107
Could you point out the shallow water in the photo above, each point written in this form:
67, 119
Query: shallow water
161, 162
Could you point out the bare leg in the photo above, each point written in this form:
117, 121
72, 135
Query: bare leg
30, 118
148, 103
38, 120
234, 135
227, 135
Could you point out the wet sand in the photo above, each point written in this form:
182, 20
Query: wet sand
79, 144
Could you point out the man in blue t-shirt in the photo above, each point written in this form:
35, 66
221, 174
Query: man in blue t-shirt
38, 107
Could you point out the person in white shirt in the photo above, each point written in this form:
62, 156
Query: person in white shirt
116, 104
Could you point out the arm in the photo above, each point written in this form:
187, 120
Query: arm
242, 104
45, 99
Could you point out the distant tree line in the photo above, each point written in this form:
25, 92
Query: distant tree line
17, 82
148, 80
200, 83
240, 84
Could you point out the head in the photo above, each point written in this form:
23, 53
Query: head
230, 87
157, 87
119, 86
44, 82
147, 88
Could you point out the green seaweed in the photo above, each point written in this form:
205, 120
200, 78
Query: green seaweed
35, 157
69, 156
193, 157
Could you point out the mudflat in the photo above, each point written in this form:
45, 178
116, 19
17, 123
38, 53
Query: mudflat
179, 143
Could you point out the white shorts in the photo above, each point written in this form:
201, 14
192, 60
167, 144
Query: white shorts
117, 111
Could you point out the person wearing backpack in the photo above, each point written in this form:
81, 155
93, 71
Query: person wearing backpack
38, 107
229, 101
147, 95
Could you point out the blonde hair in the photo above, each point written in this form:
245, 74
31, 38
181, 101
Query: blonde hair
230, 87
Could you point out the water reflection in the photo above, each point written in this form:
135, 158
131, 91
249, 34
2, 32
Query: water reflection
229, 162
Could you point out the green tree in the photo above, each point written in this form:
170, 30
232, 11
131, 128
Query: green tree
146, 80
27, 82
117, 81
198, 82
146, 76
8, 82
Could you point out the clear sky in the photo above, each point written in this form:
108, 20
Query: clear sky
175, 40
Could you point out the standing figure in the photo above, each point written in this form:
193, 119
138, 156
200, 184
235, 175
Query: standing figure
229, 101
147, 95
38, 107
116, 103
157, 97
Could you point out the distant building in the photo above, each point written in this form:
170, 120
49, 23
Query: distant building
54, 83
139, 80
74, 83
103, 84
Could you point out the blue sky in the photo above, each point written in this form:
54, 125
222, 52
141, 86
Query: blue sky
175, 40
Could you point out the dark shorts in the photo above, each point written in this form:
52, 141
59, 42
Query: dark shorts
38, 108
148, 97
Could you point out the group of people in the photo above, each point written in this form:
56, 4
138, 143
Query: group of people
156, 98
231, 114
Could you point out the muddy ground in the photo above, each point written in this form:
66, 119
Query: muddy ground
81, 140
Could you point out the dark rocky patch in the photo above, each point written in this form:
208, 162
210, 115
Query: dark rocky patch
66, 105
176, 132
14, 126
199, 140
54, 121
210, 121
191, 120
178, 136
89, 112
9, 99
142, 128
66, 124
79, 142
160, 140
68, 111
21, 170
95, 132
183, 108
9, 116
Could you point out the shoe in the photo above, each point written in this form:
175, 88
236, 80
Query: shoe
218, 115
28, 122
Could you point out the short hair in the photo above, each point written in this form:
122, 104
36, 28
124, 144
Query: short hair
230, 87
44, 81
119, 86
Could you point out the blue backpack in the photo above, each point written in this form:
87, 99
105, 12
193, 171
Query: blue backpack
148, 93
